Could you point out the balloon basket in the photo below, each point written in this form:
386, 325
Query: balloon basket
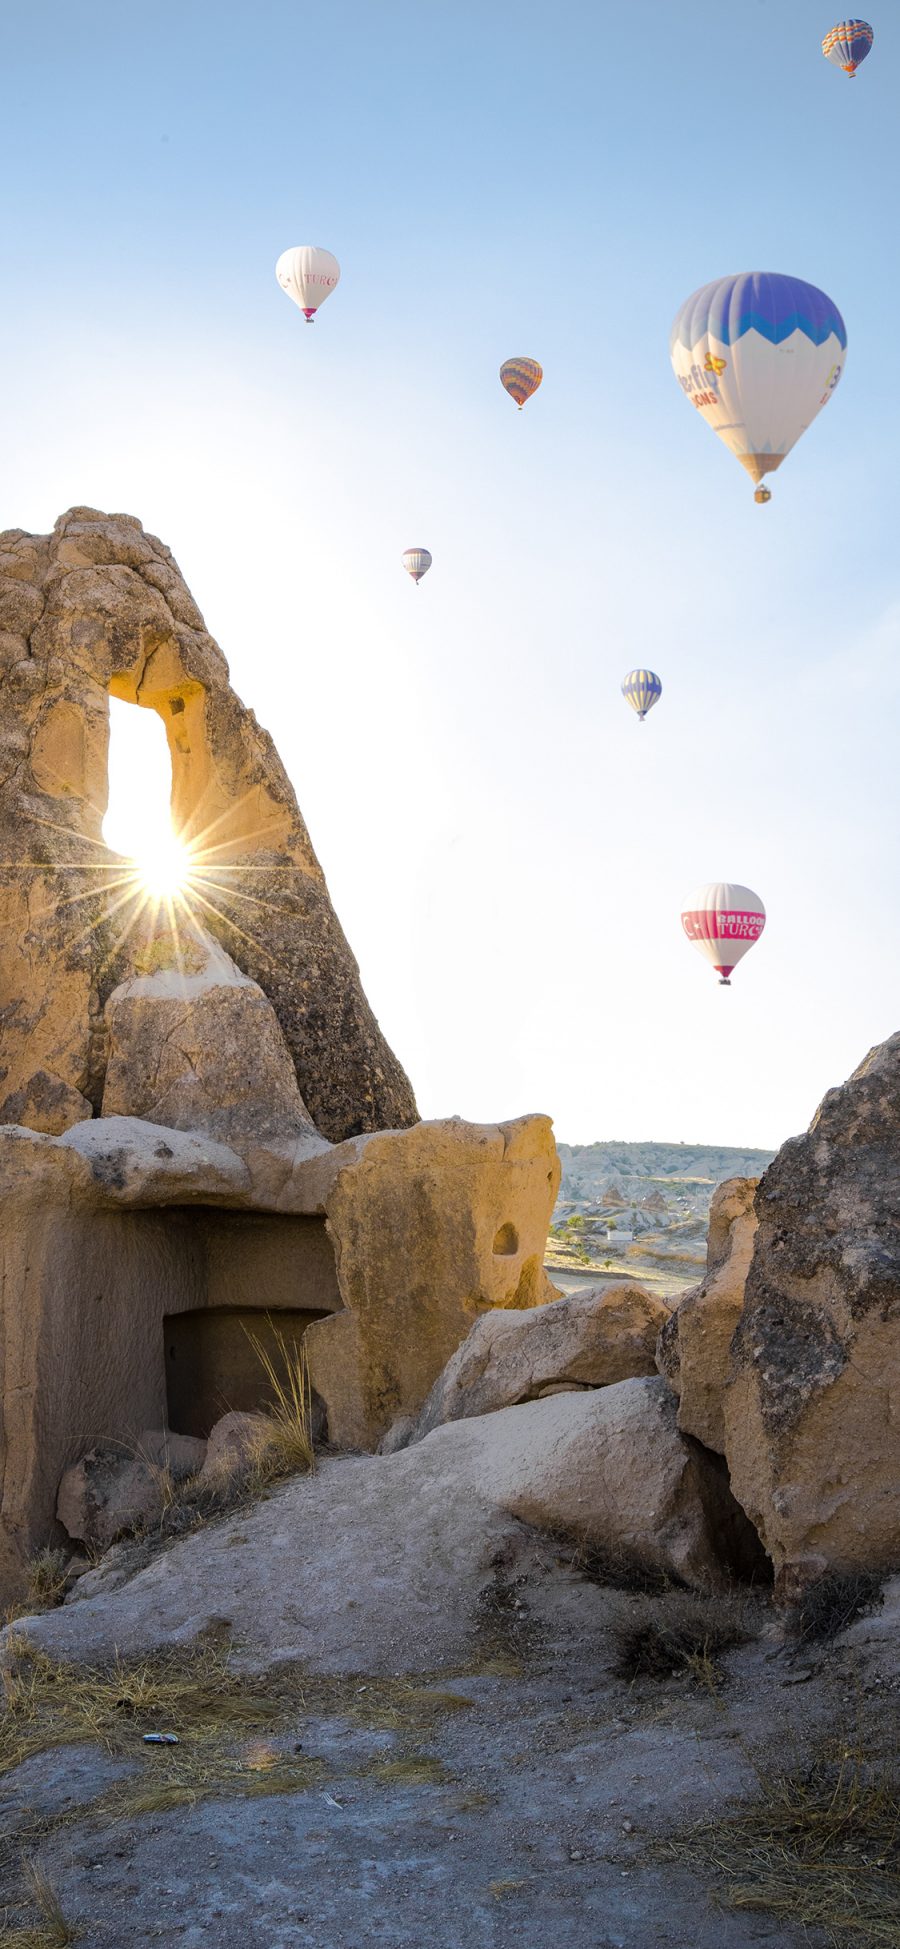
724, 981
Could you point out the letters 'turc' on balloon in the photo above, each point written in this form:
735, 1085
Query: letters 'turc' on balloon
417, 562
847, 44
308, 274
723, 921
758, 355
521, 377
642, 689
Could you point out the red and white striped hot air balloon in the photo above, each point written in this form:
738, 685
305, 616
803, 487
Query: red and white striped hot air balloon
723, 921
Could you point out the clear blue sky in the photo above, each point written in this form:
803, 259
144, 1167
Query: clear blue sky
507, 848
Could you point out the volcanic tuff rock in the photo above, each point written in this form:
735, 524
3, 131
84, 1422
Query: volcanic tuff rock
812, 1411
695, 1342
588, 1339
133, 1255
462, 1213
198, 1047
100, 607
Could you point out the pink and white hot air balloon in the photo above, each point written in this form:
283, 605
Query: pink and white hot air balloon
723, 921
308, 274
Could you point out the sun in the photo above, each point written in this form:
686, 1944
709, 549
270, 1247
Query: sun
163, 866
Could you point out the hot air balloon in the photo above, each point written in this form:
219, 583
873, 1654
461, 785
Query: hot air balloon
642, 689
723, 921
759, 356
308, 274
847, 44
521, 377
417, 563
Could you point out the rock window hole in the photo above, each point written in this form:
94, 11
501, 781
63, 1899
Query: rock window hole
138, 817
506, 1243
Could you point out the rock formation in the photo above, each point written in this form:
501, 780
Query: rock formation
588, 1339
812, 1409
204, 1138
695, 1343
99, 608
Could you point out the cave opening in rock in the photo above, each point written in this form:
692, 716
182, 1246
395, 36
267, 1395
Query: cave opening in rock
264, 1278
214, 1362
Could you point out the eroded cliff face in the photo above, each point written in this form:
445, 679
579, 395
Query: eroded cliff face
97, 608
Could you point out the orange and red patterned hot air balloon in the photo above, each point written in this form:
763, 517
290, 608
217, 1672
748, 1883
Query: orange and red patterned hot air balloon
521, 377
847, 44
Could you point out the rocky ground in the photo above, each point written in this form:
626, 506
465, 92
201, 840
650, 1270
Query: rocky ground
404, 1715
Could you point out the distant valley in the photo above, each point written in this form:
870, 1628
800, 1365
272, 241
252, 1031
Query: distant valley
639, 1210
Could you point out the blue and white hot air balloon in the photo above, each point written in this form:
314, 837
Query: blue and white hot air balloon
642, 689
847, 44
759, 355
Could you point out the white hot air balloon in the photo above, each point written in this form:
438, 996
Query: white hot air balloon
723, 921
308, 274
417, 562
759, 356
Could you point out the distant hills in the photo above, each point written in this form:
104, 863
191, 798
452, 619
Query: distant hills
685, 1175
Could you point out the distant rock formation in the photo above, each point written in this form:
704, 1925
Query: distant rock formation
97, 608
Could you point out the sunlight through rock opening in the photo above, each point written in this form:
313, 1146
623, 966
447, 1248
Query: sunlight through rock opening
138, 822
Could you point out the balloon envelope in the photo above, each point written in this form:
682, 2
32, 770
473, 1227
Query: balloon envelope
308, 274
723, 921
642, 689
417, 562
759, 356
848, 43
521, 377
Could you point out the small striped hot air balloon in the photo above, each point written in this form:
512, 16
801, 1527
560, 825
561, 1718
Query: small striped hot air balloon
723, 921
521, 377
848, 44
642, 689
308, 274
417, 562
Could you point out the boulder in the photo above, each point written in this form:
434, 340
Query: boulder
590, 1339
178, 1456
200, 1048
233, 1443
695, 1342
107, 1495
608, 1470
434, 1226
812, 1407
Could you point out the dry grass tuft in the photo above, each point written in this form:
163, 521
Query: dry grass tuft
46, 1582
191, 1692
409, 1770
47, 1574
680, 1637
285, 1443
819, 1848
53, 1931
832, 1603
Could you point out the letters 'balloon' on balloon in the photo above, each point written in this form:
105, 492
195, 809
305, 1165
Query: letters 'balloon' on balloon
642, 689
521, 377
308, 274
758, 355
417, 562
848, 43
724, 922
